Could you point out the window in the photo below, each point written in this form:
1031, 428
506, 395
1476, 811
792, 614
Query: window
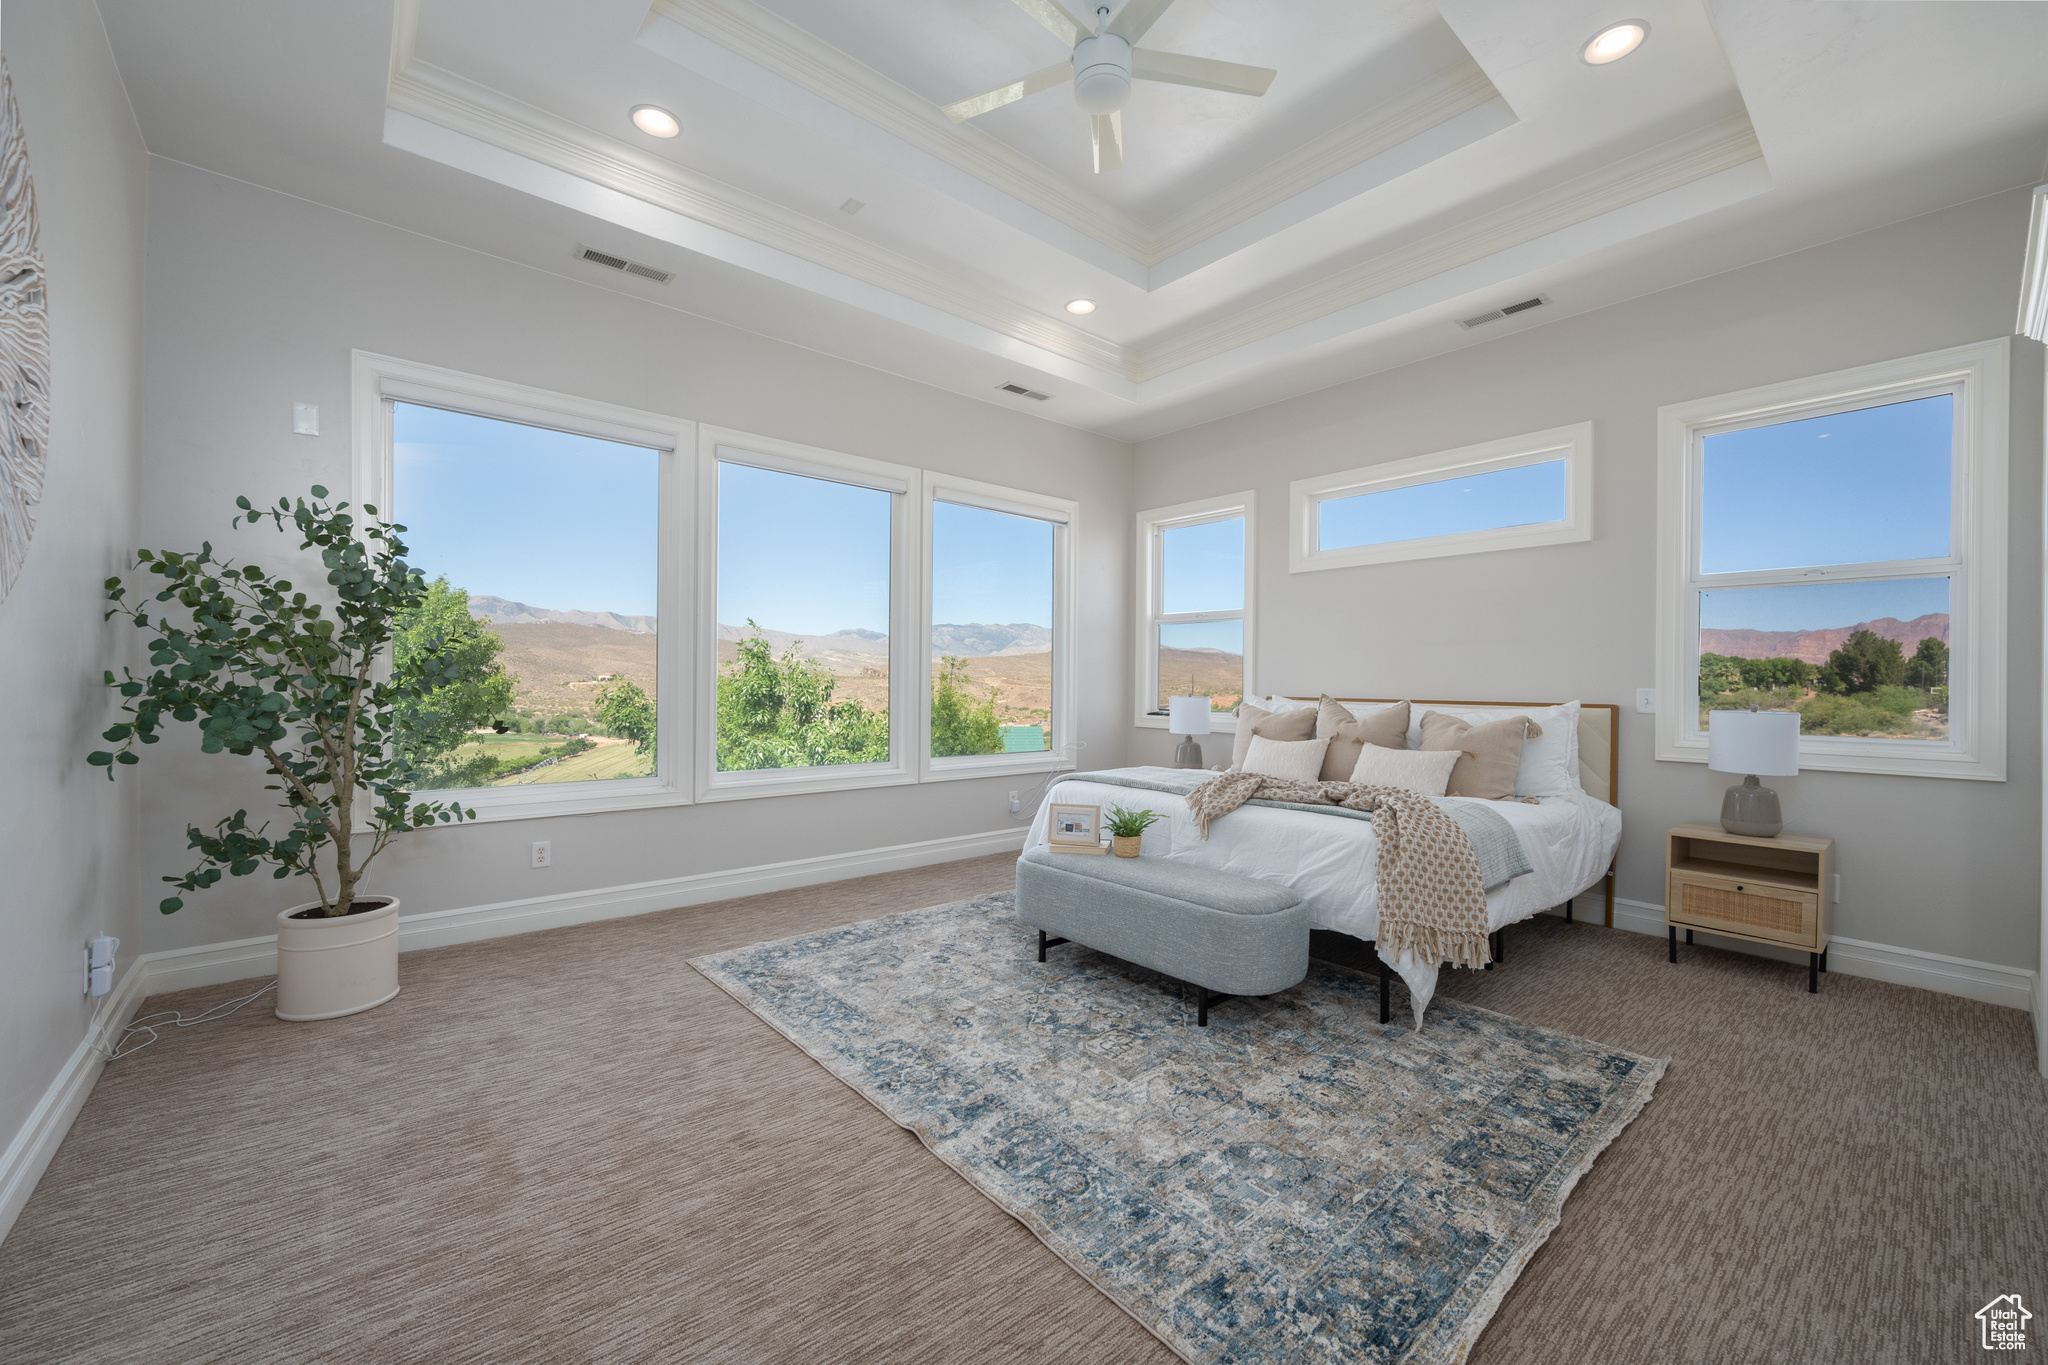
999, 667
1194, 603
806, 588
1836, 547
1526, 490
538, 521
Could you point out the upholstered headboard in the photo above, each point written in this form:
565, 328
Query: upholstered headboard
1599, 736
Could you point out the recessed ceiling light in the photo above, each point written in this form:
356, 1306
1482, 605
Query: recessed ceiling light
1614, 42
1081, 306
655, 121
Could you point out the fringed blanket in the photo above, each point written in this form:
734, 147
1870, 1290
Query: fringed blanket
1431, 897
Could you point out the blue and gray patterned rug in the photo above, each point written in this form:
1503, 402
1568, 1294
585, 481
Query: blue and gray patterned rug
1297, 1182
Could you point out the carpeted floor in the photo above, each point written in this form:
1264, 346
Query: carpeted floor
569, 1146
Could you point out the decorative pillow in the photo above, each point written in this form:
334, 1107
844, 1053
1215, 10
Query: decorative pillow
1492, 753
1347, 734
1277, 703
1281, 725
1428, 773
1550, 761
1294, 761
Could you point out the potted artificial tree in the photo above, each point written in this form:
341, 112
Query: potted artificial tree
263, 670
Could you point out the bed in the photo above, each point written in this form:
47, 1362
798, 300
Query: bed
1570, 841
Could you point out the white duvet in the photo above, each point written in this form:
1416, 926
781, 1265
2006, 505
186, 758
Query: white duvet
1329, 860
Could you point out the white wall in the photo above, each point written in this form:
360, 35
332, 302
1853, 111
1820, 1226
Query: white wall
1939, 866
70, 833
255, 301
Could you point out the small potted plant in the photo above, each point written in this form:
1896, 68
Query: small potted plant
266, 671
1127, 829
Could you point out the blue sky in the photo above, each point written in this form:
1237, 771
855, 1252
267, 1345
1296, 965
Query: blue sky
1505, 497
1855, 488
1821, 606
803, 555
1202, 569
536, 516
990, 567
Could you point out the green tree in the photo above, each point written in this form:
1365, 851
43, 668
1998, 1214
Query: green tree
1718, 674
1865, 663
960, 725
779, 713
627, 712
261, 668
433, 724
1928, 668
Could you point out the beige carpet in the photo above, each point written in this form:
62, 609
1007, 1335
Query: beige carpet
570, 1147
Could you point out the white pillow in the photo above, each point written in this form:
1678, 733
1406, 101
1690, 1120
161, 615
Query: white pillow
1294, 760
1550, 764
1428, 773
1279, 703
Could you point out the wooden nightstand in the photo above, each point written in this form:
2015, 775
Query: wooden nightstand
1763, 890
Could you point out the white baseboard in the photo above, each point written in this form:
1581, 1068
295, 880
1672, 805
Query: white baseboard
2013, 987
28, 1155
213, 963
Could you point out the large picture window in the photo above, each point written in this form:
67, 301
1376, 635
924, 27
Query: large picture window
806, 589
1835, 547
999, 669
1195, 595
544, 525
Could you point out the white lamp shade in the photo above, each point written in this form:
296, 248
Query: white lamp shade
1187, 715
1762, 742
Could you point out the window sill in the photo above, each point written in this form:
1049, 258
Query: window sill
548, 800
995, 765
799, 782
1221, 723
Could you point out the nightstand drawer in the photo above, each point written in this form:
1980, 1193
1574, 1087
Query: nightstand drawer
1746, 908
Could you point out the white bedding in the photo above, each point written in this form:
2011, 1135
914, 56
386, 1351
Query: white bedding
1329, 860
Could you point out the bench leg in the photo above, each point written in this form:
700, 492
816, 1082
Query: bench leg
1044, 943
1202, 1002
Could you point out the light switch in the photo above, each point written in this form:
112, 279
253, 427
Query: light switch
306, 419
1646, 700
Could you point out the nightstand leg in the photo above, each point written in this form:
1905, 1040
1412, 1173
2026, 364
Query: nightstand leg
1674, 942
1813, 973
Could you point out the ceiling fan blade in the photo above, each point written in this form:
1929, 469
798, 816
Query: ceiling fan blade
1057, 21
1203, 72
1011, 93
1135, 17
1109, 141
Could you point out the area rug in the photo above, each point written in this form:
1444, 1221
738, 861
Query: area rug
1294, 1183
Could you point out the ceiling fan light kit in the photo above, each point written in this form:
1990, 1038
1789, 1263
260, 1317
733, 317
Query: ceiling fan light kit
1106, 60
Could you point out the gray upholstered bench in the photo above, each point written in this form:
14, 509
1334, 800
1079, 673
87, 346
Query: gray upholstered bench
1224, 934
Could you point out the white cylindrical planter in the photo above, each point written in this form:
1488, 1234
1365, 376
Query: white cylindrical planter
328, 967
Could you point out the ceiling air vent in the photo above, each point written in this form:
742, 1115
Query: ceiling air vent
620, 263
1023, 392
1497, 314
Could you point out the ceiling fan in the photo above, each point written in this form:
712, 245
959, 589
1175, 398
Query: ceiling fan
1106, 59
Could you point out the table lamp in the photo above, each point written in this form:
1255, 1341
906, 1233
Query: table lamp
1755, 743
1187, 717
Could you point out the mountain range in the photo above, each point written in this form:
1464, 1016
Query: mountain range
1814, 646
974, 640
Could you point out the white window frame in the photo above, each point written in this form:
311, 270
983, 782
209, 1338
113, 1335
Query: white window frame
1572, 444
1976, 566
377, 381
1151, 588
903, 483
1064, 514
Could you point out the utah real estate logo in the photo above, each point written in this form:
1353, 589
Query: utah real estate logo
2004, 1321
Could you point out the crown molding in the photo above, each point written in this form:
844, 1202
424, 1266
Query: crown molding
463, 106
1667, 166
794, 55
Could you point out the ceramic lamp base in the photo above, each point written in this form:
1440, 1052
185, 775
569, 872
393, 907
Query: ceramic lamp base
1188, 755
1752, 809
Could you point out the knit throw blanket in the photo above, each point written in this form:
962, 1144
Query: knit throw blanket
1430, 893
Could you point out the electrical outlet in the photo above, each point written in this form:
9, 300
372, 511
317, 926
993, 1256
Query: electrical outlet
543, 855
99, 966
1646, 700
1015, 804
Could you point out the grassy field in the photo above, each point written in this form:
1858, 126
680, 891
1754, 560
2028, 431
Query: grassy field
611, 758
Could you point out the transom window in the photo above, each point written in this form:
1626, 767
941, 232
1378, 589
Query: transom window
1834, 547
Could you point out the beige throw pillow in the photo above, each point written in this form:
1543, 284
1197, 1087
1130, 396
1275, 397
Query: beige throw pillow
1428, 773
1281, 725
1348, 734
1290, 760
1492, 752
